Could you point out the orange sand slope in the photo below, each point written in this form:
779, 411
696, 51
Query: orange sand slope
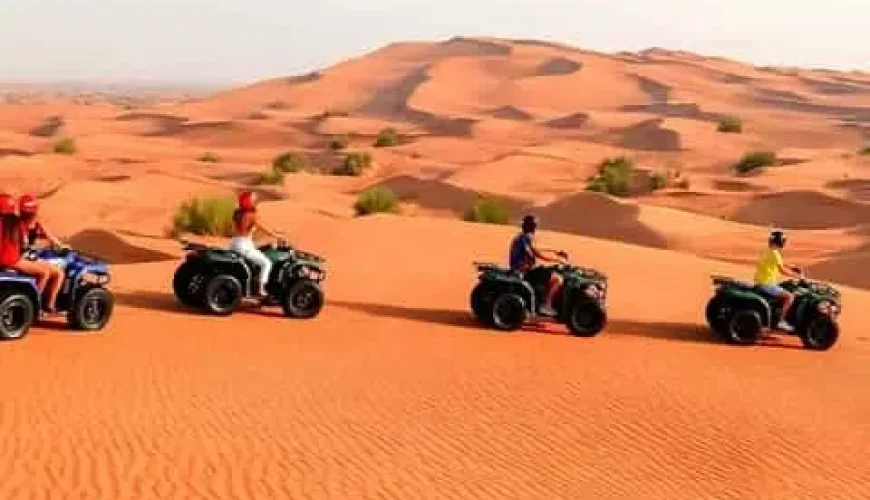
394, 393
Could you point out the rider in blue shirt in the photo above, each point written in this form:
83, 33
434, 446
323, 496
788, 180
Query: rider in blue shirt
524, 255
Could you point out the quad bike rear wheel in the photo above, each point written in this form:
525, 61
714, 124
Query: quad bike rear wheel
508, 312
820, 333
716, 315
304, 299
744, 327
223, 294
188, 283
586, 318
91, 310
482, 298
17, 313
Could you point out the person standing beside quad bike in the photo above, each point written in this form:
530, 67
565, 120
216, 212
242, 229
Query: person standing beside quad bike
524, 254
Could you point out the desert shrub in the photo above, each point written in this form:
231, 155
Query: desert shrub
658, 181
272, 177
289, 162
354, 164
209, 157
730, 125
755, 160
864, 151
65, 146
205, 217
614, 177
387, 137
339, 142
487, 211
374, 200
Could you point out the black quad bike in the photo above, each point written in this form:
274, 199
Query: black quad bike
503, 299
216, 280
739, 311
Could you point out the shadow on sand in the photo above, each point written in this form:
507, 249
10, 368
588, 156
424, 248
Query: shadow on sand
166, 302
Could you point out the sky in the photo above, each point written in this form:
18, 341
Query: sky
239, 41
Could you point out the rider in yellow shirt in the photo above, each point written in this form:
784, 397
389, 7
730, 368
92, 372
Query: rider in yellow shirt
767, 274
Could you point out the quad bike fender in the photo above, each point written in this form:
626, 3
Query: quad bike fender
746, 300
515, 285
26, 285
292, 270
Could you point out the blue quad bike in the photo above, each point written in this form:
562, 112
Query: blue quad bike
84, 298
503, 299
740, 311
216, 280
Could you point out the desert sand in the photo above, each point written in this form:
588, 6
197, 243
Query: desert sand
394, 391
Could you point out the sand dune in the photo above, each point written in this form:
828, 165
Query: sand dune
200, 410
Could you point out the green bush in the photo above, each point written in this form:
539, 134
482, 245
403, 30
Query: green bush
339, 142
658, 181
209, 157
289, 162
374, 200
730, 125
755, 160
387, 137
354, 164
65, 146
614, 177
273, 177
487, 211
205, 217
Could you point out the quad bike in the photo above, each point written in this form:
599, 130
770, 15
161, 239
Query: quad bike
84, 298
504, 299
739, 312
216, 280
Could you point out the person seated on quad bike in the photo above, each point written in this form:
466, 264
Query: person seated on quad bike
11, 255
245, 223
767, 274
33, 230
524, 254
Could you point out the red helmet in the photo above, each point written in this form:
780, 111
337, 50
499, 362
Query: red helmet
246, 200
7, 205
28, 205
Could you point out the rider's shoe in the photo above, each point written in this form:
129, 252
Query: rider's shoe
547, 311
782, 325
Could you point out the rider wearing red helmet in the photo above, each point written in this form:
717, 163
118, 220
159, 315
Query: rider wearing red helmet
11, 236
28, 210
245, 223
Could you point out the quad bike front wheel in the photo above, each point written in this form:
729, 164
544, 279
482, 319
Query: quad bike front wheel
744, 327
223, 294
91, 310
586, 319
820, 334
509, 312
304, 299
17, 313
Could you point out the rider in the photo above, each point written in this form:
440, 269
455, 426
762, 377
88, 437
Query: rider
245, 222
524, 254
28, 210
11, 254
768, 270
